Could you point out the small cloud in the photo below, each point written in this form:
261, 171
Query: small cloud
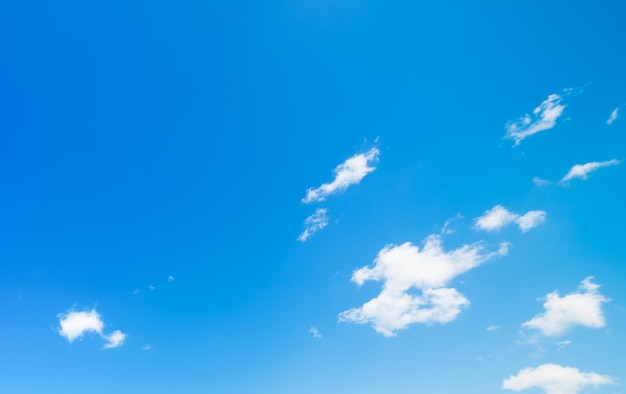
74, 325
498, 217
146, 347
350, 172
563, 344
446, 230
136, 291
582, 171
613, 116
151, 287
316, 334
403, 268
493, 328
580, 308
540, 182
554, 379
544, 117
314, 223
115, 339
170, 278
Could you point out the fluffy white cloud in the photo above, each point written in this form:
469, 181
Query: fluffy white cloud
582, 170
348, 173
499, 217
613, 116
580, 308
74, 324
405, 267
314, 331
544, 117
554, 379
115, 339
314, 223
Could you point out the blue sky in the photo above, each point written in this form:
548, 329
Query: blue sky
312, 197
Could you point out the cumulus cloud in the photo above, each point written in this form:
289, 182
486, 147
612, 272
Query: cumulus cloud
544, 117
348, 173
583, 307
403, 268
613, 116
74, 325
499, 217
316, 334
554, 379
582, 171
314, 223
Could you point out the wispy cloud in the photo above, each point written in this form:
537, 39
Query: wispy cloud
544, 117
406, 267
498, 217
348, 173
583, 307
613, 116
146, 347
314, 223
314, 331
563, 344
75, 324
540, 182
554, 379
170, 278
582, 171
493, 328
446, 226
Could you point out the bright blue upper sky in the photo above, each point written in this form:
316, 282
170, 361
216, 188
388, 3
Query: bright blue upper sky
154, 157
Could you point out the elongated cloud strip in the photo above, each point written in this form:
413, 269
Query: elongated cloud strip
554, 379
582, 171
348, 173
406, 267
544, 117
613, 116
580, 308
74, 325
499, 217
314, 223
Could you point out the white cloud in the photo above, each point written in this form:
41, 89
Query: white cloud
146, 347
151, 287
499, 217
74, 325
613, 116
544, 117
348, 173
136, 291
316, 334
170, 278
563, 344
403, 268
314, 223
582, 171
580, 308
554, 379
446, 226
540, 182
493, 328
115, 339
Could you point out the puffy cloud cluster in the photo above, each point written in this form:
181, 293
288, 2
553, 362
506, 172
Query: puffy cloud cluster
554, 379
582, 307
404, 268
499, 217
75, 324
544, 117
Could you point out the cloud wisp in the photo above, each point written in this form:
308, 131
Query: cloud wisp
75, 324
348, 173
314, 223
554, 379
499, 217
582, 307
544, 117
315, 332
582, 171
405, 268
613, 116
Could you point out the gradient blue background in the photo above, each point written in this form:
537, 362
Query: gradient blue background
141, 139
